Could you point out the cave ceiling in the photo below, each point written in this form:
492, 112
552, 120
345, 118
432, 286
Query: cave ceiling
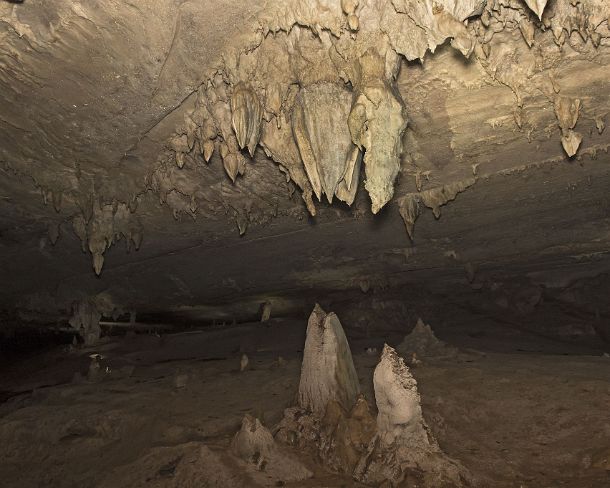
169, 153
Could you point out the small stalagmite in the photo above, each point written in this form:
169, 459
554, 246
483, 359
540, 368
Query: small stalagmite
243, 363
266, 311
255, 445
422, 342
86, 320
328, 371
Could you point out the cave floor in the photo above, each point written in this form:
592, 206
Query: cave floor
515, 417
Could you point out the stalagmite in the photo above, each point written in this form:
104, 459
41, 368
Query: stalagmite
266, 311
404, 445
328, 371
243, 363
255, 445
422, 342
398, 402
94, 372
394, 447
86, 320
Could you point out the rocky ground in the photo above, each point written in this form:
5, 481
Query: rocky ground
515, 409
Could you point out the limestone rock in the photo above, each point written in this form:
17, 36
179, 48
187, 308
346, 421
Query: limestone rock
190, 465
328, 371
